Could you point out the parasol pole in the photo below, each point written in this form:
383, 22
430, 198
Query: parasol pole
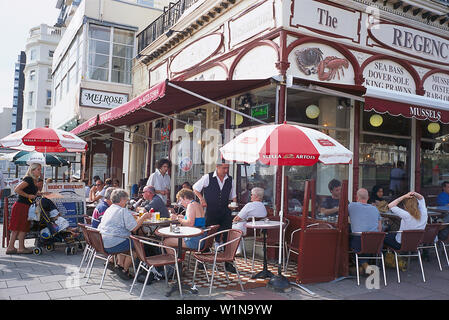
279, 282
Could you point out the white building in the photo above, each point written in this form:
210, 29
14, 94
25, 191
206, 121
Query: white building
5, 121
92, 65
40, 48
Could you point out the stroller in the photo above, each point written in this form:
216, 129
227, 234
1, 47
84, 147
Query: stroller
52, 229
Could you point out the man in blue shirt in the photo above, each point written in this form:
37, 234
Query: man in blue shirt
364, 217
443, 197
149, 201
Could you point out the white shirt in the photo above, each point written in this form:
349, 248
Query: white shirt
204, 182
116, 225
408, 222
254, 209
160, 183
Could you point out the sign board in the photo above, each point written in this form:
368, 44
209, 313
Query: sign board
99, 165
260, 112
56, 187
437, 86
389, 75
102, 99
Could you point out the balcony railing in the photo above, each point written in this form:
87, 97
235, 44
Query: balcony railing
446, 2
163, 23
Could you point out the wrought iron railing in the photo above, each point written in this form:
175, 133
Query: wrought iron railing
163, 23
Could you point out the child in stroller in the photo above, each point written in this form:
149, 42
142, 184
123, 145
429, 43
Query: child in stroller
53, 228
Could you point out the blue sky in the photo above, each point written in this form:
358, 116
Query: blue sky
17, 17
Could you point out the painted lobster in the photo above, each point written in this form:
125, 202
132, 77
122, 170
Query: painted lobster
333, 65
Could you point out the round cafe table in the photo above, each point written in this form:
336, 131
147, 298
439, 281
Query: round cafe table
264, 225
184, 232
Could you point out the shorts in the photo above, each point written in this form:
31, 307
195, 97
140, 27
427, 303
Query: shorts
121, 247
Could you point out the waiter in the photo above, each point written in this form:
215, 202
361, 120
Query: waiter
215, 190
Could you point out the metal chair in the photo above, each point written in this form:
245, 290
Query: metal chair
293, 246
147, 263
445, 242
97, 243
410, 240
207, 245
428, 240
88, 249
371, 244
220, 256
272, 241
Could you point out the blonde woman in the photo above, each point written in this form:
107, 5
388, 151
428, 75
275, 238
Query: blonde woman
19, 225
413, 216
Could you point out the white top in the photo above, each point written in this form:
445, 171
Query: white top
100, 193
204, 182
408, 222
254, 209
116, 225
160, 183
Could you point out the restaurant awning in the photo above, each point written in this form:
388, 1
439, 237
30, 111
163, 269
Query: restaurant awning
407, 105
168, 97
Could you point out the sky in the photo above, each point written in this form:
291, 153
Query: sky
17, 17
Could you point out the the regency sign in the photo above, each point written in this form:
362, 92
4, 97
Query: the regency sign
101, 99
390, 75
411, 41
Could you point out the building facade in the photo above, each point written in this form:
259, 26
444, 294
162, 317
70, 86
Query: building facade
19, 85
40, 49
373, 75
92, 70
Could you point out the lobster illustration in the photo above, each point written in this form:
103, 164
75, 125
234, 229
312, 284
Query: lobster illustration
333, 65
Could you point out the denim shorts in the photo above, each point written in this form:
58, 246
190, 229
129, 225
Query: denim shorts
121, 247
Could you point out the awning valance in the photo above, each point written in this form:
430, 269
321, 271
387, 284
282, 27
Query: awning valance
407, 105
163, 98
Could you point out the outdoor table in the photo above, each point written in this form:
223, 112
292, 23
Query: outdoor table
157, 224
394, 219
185, 232
439, 209
264, 225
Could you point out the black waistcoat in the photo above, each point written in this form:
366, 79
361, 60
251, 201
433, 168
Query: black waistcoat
217, 200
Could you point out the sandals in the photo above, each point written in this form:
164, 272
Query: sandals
11, 251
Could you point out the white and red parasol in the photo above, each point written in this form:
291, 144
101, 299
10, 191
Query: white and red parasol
285, 145
44, 140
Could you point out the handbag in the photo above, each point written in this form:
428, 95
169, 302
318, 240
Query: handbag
33, 214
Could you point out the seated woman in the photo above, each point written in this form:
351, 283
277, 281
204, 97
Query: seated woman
194, 218
413, 216
116, 226
377, 194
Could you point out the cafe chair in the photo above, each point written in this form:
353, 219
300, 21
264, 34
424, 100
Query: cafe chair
207, 245
97, 243
444, 243
371, 248
88, 249
410, 240
87, 219
170, 257
293, 246
272, 240
429, 239
220, 256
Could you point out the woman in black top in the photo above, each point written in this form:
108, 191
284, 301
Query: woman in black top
19, 225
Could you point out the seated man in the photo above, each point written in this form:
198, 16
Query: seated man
363, 217
149, 201
101, 207
443, 196
255, 209
329, 207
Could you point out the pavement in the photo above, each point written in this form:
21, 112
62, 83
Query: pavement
54, 276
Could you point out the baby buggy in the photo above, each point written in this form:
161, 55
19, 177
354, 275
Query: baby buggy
52, 228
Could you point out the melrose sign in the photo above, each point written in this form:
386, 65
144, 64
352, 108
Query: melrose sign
412, 41
101, 99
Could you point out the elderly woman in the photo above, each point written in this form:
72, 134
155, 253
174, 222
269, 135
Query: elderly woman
116, 226
194, 217
413, 216
255, 208
19, 225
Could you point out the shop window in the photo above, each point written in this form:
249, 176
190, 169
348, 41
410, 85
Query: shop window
434, 158
384, 153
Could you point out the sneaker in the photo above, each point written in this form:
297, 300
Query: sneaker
230, 268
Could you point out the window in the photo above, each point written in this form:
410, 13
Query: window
51, 53
46, 122
32, 75
30, 98
29, 124
148, 3
110, 54
48, 97
49, 74
32, 55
